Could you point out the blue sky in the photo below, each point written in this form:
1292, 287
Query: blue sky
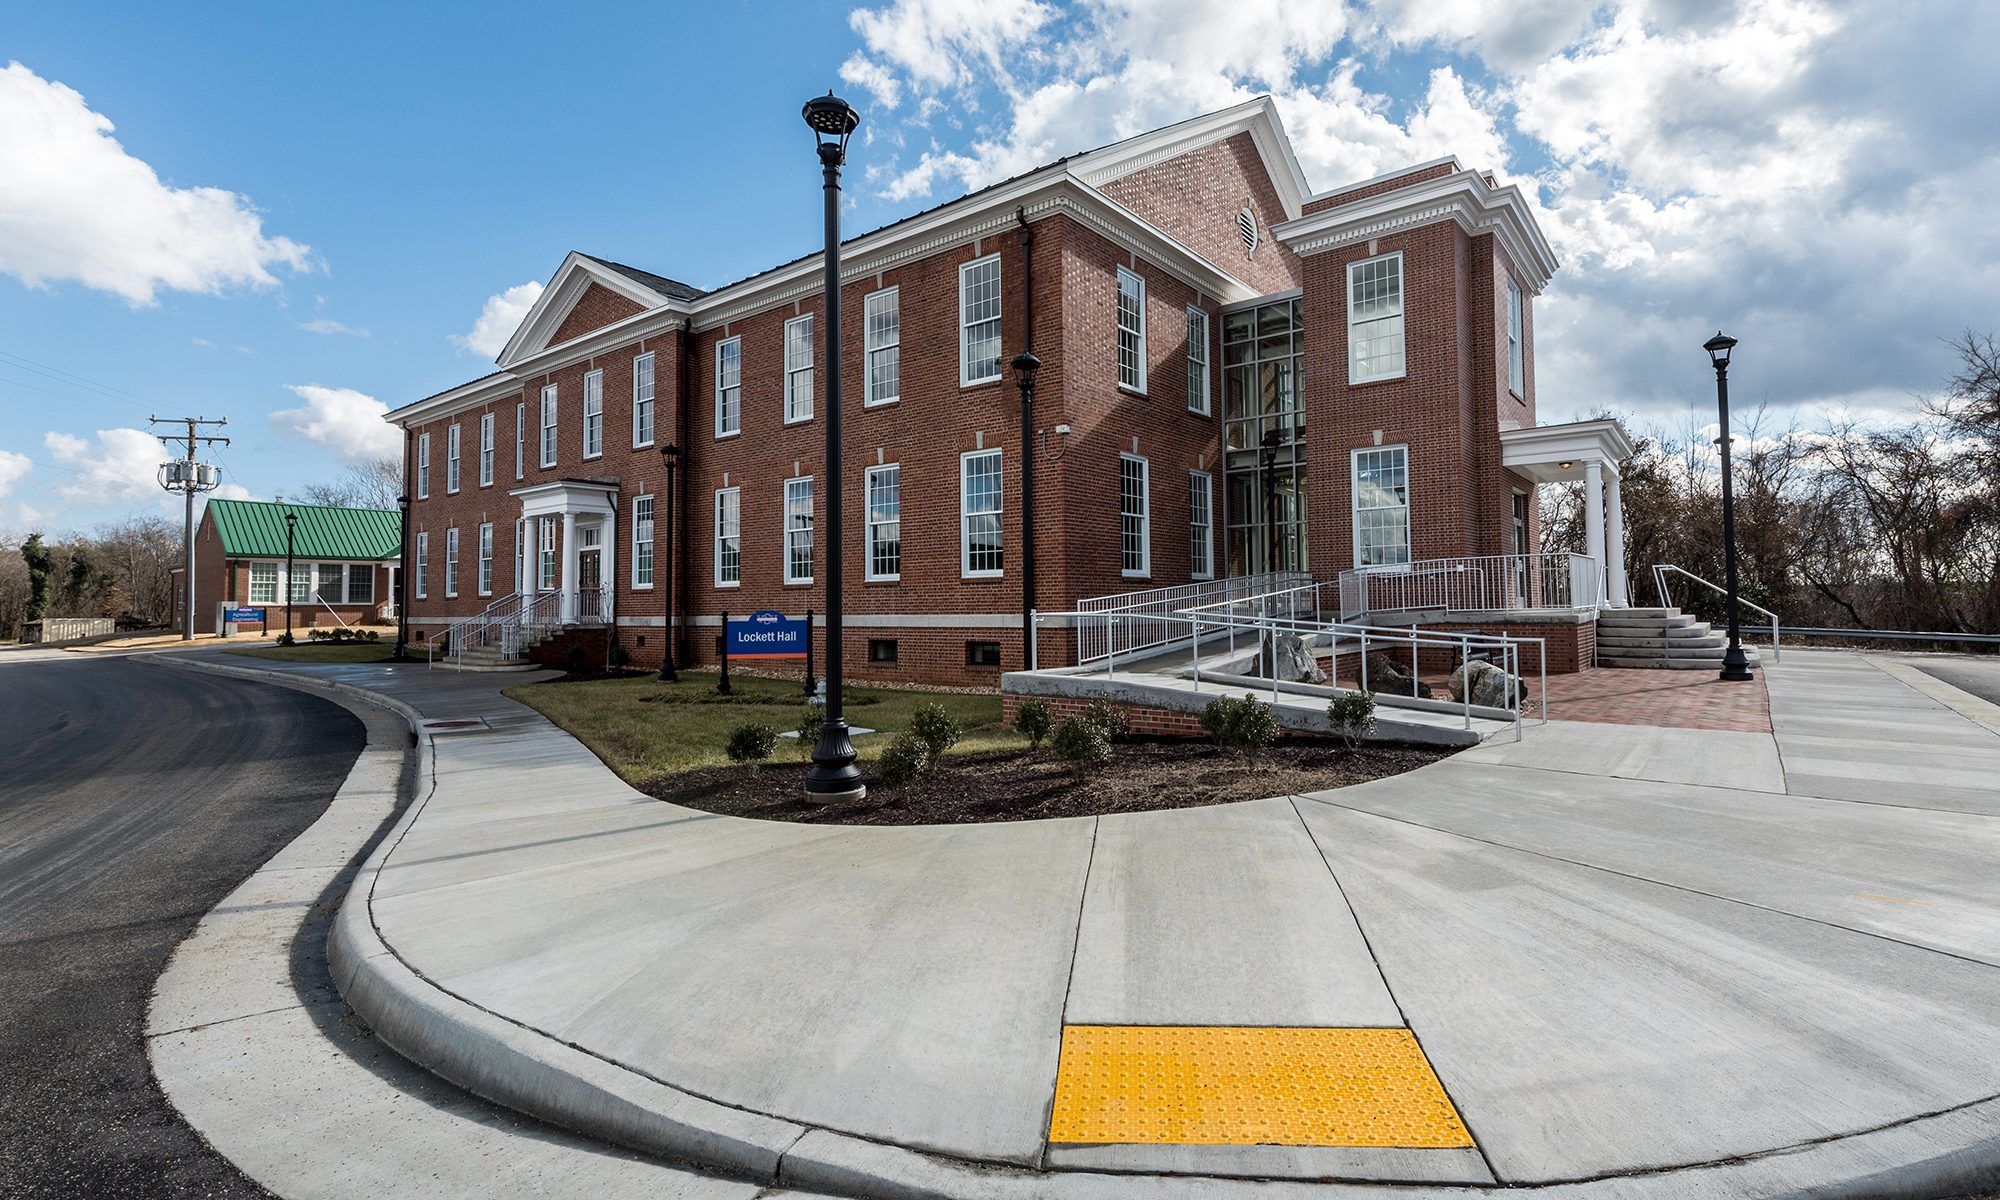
307, 210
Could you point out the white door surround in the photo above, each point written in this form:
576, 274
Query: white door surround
1590, 451
579, 505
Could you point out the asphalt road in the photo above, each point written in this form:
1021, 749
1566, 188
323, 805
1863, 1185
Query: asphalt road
133, 797
1980, 676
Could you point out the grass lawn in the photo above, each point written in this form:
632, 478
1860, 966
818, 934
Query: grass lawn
644, 728
311, 652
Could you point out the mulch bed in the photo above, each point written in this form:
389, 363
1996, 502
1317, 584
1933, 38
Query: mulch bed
1014, 785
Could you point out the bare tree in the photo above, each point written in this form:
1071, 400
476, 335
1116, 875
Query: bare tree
373, 484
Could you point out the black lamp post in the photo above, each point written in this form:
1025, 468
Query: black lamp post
403, 582
1025, 366
1735, 663
834, 777
291, 526
670, 454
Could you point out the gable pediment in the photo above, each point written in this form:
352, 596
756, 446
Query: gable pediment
584, 296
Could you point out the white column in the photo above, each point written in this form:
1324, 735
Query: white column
1614, 542
1593, 519
610, 580
568, 561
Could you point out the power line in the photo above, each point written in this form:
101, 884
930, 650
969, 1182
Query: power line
121, 395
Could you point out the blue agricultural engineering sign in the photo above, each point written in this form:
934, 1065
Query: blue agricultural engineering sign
243, 616
767, 634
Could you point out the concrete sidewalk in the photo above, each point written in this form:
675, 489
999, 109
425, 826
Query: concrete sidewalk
1641, 962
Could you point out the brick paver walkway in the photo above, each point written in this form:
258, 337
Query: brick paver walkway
1669, 699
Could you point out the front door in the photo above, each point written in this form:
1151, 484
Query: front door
590, 582
1523, 582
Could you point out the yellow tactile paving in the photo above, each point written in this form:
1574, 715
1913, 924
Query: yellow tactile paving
1248, 1086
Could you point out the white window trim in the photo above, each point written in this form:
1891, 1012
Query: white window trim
548, 446
276, 571
421, 567
1138, 282
359, 571
482, 578
1402, 291
649, 541
423, 466
451, 563
452, 444
1202, 483
1517, 337
720, 432
785, 531
1145, 569
965, 515
591, 378
811, 368
965, 377
1206, 396
486, 450
521, 440
869, 349
1354, 502
715, 525
652, 401
868, 523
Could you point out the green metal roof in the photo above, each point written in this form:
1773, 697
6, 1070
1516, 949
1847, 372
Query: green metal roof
256, 529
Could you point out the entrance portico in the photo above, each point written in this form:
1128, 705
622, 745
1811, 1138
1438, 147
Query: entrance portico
583, 560
1589, 451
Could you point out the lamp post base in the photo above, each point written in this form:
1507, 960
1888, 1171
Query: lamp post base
833, 778
1736, 665
667, 672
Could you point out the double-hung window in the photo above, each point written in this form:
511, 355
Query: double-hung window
423, 466
1197, 360
979, 507
1131, 330
545, 554
799, 530
883, 323
642, 541
728, 537
520, 439
729, 387
884, 486
642, 400
593, 414
361, 583
548, 425
451, 562
799, 369
1517, 375
486, 558
423, 557
486, 450
979, 321
264, 583
1135, 547
1381, 507
1375, 318
331, 583
1201, 525
451, 460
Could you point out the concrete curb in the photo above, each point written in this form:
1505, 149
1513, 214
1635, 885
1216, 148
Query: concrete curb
1929, 1155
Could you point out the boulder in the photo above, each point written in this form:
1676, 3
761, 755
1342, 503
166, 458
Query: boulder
1295, 662
1491, 686
1385, 674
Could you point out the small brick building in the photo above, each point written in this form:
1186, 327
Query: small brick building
343, 565
1238, 376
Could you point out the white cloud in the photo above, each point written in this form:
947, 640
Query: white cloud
13, 469
345, 421
325, 326
115, 466
74, 205
498, 320
939, 43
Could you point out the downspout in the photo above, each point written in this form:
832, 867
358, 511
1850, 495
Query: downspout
1027, 237
681, 544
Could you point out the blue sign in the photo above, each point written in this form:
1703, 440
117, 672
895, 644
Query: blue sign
243, 616
767, 635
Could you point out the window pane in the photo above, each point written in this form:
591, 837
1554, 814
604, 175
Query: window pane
883, 321
979, 316
799, 368
798, 530
980, 508
728, 536
1132, 515
885, 521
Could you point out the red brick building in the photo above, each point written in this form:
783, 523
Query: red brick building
1238, 375
343, 565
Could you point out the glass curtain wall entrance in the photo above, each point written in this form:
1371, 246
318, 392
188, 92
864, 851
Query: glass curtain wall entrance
1263, 356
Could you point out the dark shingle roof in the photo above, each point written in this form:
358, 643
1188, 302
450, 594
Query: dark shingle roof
672, 289
256, 529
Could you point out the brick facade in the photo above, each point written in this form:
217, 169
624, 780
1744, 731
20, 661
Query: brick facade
1143, 720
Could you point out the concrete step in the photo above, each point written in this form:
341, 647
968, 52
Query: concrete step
1632, 641
1641, 612
1623, 616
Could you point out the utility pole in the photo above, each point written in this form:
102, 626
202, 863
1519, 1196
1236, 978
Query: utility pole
187, 476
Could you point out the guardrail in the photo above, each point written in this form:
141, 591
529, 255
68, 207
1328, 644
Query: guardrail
1473, 583
1893, 635
1128, 622
1660, 572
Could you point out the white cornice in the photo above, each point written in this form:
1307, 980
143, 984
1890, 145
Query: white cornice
1464, 197
571, 280
467, 395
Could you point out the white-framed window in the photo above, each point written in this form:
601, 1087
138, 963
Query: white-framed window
728, 537
1131, 330
979, 321
360, 583
451, 562
729, 387
545, 554
423, 466
799, 369
883, 488
486, 450
1135, 535
451, 460
422, 555
1201, 525
1197, 360
642, 400
264, 583
521, 439
593, 413
882, 323
1381, 506
642, 541
981, 552
1517, 374
1375, 318
548, 458
332, 584
799, 530
486, 558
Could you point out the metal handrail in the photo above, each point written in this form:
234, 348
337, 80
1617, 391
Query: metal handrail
1475, 583
1145, 618
1660, 582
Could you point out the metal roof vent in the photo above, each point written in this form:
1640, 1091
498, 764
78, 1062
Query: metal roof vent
1246, 224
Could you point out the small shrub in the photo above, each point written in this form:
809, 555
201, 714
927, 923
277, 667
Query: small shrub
1242, 726
373, 636
617, 656
1083, 745
1352, 715
936, 728
1037, 719
575, 657
751, 742
903, 759
1113, 720
808, 729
